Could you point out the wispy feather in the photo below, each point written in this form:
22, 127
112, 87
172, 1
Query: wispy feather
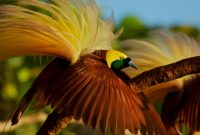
161, 48
61, 28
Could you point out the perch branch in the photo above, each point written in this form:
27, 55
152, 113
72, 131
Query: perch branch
166, 73
56, 122
26, 120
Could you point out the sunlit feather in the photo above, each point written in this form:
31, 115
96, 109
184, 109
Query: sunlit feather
61, 28
161, 48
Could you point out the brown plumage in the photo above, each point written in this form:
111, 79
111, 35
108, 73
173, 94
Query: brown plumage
183, 105
181, 96
91, 91
41, 83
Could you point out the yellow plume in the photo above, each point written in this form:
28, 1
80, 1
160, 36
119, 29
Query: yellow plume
63, 28
161, 48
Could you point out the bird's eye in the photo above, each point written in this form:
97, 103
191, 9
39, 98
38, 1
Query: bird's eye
128, 59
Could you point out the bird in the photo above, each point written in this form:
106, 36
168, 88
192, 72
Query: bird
85, 80
181, 96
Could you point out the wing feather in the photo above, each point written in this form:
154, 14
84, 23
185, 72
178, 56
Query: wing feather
189, 105
99, 107
59, 97
122, 110
169, 109
97, 95
40, 85
93, 103
115, 109
73, 94
129, 124
183, 106
107, 108
153, 121
80, 103
102, 105
84, 100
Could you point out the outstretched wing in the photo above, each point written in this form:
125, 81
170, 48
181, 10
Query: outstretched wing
63, 28
41, 83
89, 90
189, 106
93, 92
184, 106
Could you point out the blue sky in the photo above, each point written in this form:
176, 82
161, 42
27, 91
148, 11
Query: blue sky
155, 12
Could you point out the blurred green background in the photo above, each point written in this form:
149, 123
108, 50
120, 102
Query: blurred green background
17, 75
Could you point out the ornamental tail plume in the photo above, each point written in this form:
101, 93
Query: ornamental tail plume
62, 28
160, 48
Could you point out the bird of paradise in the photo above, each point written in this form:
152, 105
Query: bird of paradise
181, 96
85, 80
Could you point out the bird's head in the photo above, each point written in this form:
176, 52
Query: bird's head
117, 60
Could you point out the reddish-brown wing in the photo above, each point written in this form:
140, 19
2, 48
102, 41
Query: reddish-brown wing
169, 109
184, 105
93, 92
41, 83
190, 104
154, 125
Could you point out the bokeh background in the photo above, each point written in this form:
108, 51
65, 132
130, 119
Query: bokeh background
136, 17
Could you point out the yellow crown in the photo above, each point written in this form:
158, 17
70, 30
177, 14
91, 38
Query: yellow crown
113, 55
